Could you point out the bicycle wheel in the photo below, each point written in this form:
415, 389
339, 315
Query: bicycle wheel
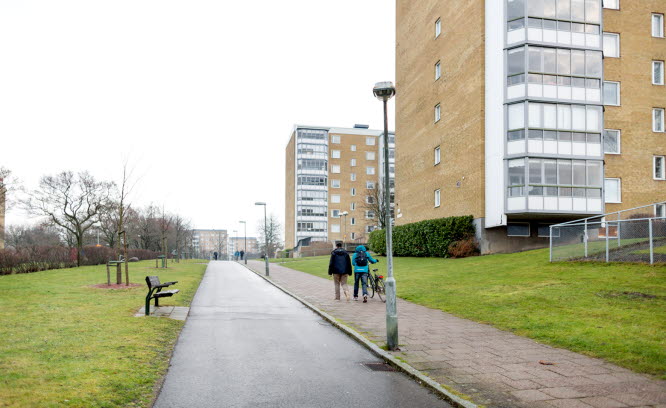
381, 290
371, 286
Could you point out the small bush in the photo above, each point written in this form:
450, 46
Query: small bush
463, 248
431, 238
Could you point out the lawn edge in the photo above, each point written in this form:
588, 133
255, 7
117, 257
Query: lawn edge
159, 384
387, 357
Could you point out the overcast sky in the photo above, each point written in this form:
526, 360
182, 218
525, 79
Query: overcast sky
199, 96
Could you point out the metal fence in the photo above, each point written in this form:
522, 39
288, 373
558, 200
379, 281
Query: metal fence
633, 235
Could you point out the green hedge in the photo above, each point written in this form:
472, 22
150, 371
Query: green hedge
425, 238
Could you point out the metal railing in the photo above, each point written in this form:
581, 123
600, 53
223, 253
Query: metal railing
634, 235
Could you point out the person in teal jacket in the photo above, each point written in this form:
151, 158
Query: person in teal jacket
361, 261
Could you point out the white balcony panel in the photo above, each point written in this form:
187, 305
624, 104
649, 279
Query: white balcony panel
594, 205
579, 149
550, 36
516, 204
578, 39
515, 147
550, 91
535, 203
515, 36
304, 187
550, 146
564, 92
550, 203
594, 149
592, 40
535, 90
534, 34
593, 95
565, 203
564, 37
535, 146
564, 147
578, 94
515, 91
579, 204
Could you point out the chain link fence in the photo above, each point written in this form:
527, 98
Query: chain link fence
634, 235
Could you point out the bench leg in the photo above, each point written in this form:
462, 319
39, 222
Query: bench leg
157, 302
147, 306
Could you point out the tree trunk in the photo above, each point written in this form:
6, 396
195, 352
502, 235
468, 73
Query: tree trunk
126, 259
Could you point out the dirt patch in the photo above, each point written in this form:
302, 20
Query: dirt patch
115, 286
627, 295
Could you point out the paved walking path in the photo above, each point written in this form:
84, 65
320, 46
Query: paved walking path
248, 344
493, 367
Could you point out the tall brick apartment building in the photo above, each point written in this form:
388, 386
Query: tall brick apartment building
526, 113
330, 171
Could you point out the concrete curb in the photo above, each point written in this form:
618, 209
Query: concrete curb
383, 354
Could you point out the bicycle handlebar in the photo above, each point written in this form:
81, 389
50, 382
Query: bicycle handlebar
375, 270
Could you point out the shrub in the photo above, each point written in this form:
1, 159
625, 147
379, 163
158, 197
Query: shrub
463, 248
425, 238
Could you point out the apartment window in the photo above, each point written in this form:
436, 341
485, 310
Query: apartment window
335, 198
438, 112
335, 139
657, 25
611, 45
369, 171
353, 148
437, 198
657, 72
659, 163
335, 168
613, 190
660, 210
353, 221
438, 70
353, 191
352, 176
658, 119
611, 93
369, 155
518, 229
352, 162
335, 213
335, 154
543, 230
335, 183
438, 27
611, 141
438, 155
352, 206
612, 4
370, 214
370, 141
353, 235
369, 200
369, 228
335, 227
370, 185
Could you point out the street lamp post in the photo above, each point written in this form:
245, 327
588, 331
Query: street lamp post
385, 91
344, 237
265, 235
245, 239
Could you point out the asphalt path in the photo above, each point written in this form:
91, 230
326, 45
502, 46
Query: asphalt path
248, 344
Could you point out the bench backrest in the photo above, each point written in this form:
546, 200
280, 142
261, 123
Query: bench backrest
152, 281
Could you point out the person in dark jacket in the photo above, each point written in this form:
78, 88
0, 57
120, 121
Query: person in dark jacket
340, 267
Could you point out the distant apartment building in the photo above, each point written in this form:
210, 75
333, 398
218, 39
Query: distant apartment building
332, 179
208, 241
525, 113
240, 244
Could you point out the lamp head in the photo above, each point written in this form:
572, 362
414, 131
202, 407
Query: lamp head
259, 203
344, 213
241, 222
384, 90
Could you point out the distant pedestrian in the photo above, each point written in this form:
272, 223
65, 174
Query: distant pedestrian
340, 267
242, 254
361, 260
215, 255
236, 255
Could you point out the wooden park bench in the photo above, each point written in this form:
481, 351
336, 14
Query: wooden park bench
155, 291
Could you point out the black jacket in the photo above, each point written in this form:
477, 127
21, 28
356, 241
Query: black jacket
340, 262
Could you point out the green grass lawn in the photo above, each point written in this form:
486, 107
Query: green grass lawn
657, 250
592, 308
65, 343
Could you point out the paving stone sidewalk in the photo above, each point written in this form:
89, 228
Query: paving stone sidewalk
493, 367
172, 312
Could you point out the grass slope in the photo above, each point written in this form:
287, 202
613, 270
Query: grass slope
67, 344
594, 308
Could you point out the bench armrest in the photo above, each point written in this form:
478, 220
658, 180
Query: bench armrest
170, 283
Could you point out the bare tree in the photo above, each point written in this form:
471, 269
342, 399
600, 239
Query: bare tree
70, 201
27, 236
122, 207
374, 202
9, 185
180, 229
164, 224
273, 231
107, 222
